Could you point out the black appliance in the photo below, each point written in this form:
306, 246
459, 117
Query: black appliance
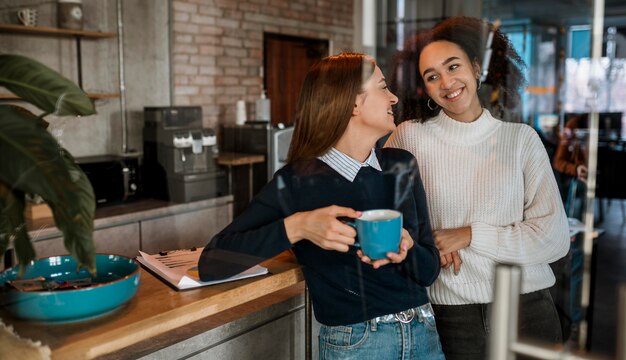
179, 155
256, 137
115, 179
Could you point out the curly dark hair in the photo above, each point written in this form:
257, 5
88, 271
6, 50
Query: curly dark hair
505, 68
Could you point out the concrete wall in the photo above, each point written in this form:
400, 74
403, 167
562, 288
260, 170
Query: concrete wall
146, 65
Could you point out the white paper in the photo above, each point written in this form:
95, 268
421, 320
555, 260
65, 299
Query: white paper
174, 268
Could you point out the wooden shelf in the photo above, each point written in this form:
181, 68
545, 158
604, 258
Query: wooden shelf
94, 96
51, 31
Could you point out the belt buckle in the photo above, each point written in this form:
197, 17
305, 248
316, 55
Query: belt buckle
406, 316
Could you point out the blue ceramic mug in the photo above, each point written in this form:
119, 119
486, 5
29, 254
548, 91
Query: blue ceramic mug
378, 232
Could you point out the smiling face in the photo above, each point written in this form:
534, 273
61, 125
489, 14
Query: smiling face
373, 107
451, 80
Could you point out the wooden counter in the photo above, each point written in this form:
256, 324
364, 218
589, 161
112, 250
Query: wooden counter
155, 310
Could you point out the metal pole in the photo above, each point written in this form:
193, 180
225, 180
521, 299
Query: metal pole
120, 53
504, 312
592, 157
307, 325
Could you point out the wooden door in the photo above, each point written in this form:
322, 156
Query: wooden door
287, 59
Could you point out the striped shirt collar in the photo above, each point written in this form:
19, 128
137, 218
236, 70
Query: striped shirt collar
347, 166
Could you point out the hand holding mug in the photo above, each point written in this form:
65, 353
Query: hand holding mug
322, 227
392, 257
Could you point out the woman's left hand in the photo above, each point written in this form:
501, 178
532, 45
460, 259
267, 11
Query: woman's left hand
405, 244
450, 240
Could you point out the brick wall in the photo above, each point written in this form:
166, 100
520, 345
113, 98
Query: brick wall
217, 46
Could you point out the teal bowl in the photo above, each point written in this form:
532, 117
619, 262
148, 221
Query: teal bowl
116, 283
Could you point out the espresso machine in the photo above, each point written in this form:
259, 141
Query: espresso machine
179, 155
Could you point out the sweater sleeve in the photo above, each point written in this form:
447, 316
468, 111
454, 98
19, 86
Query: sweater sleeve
541, 236
259, 231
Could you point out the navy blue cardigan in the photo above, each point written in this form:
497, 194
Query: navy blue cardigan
343, 289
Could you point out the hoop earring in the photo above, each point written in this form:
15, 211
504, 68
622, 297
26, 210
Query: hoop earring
479, 84
431, 107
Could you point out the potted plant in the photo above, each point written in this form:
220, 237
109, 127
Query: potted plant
33, 162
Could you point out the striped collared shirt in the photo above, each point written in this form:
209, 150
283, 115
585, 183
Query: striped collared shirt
347, 166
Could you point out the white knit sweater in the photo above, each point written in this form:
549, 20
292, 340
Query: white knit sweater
495, 177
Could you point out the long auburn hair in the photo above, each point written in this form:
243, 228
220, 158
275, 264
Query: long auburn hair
470, 34
326, 101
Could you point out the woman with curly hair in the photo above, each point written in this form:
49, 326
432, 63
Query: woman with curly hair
491, 192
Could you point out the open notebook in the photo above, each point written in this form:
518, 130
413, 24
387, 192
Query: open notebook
179, 268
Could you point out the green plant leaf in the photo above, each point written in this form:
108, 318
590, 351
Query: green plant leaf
32, 161
12, 225
43, 87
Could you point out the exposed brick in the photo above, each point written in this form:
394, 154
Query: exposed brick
202, 80
185, 27
253, 44
210, 10
226, 80
294, 5
184, 6
233, 14
211, 90
235, 71
210, 70
186, 90
226, 99
240, 53
307, 16
203, 19
180, 58
185, 69
271, 28
251, 81
233, 42
246, 6
227, 4
254, 92
202, 99
227, 23
181, 16
185, 49
211, 50
251, 62
227, 61
181, 100
279, 3
183, 38
206, 39
218, 46
181, 80
255, 53
255, 35
291, 14
249, 25
201, 60
211, 30
323, 3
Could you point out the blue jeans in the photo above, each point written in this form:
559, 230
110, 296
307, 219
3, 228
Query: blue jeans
417, 339
465, 329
